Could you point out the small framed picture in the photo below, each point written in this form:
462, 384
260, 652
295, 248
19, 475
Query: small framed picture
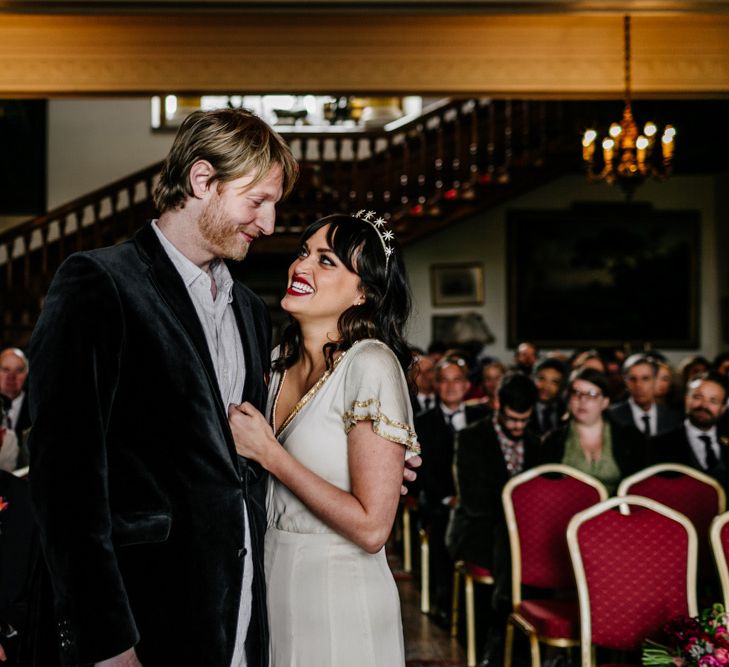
456, 284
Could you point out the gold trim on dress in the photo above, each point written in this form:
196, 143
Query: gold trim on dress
304, 399
351, 418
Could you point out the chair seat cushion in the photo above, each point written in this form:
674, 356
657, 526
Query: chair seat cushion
476, 570
556, 619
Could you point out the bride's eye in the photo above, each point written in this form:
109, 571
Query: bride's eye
325, 259
302, 252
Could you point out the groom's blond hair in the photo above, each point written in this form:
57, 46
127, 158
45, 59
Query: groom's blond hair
235, 142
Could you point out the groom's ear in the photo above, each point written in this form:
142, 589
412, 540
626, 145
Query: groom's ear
202, 179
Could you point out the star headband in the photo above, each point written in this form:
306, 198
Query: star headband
378, 222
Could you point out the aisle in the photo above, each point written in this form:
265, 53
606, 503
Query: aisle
426, 645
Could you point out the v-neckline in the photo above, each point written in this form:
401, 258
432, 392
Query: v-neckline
304, 399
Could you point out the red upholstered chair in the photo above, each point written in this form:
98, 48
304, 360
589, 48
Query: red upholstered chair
689, 491
472, 574
719, 533
635, 564
539, 504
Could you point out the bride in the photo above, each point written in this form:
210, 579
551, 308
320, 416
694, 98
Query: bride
337, 432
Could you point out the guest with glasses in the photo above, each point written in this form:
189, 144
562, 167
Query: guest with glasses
591, 441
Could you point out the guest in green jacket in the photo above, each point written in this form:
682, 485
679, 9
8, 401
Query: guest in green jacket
590, 441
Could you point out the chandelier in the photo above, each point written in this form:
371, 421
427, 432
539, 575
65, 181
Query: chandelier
628, 158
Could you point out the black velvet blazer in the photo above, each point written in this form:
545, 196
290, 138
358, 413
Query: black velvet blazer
137, 488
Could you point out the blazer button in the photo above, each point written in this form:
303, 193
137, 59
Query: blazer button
242, 552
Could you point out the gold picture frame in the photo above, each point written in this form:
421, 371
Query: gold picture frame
457, 284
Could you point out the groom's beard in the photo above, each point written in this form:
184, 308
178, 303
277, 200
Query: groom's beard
221, 233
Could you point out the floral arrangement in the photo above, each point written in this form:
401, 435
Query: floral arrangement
700, 641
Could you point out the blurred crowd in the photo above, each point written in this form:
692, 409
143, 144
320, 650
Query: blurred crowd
481, 420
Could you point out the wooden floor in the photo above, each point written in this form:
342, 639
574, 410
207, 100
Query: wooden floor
425, 643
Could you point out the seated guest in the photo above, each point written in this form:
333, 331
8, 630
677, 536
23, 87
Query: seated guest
690, 367
13, 375
525, 357
641, 410
665, 392
423, 374
488, 454
9, 450
436, 430
485, 391
590, 441
721, 364
698, 441
550, 377
588, 359
17, 548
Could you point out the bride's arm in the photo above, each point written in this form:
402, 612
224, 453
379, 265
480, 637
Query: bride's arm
365, 515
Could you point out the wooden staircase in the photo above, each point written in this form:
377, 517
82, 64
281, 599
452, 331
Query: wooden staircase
458, 157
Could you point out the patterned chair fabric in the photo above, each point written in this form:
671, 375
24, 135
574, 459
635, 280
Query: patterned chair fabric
635, 571
539, 504
690, 492
543, 506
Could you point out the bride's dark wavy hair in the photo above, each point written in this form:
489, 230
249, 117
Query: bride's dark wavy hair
387, 293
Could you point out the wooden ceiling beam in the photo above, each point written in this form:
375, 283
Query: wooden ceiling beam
554, 55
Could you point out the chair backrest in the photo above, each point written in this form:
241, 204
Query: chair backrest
635, 565
538, 505
686, 490
719, 533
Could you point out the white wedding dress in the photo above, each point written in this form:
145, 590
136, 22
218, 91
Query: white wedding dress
330, 603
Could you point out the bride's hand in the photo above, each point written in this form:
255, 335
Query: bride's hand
252, 434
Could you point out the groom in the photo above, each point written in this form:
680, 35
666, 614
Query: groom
151, 525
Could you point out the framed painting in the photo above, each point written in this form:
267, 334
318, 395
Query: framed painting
457, 284
604, 275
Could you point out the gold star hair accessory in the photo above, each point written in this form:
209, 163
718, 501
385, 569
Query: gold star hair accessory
378, 222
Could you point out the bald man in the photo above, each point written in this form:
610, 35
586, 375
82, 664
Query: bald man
13, 374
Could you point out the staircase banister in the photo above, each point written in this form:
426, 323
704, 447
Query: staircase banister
86, 200
400, 125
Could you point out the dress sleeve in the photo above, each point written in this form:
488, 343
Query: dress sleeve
375, 390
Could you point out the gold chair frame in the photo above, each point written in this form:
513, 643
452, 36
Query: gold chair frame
515, 619
623, 502
719, 556
461, 570
424, 571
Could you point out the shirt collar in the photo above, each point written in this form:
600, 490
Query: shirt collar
188, 270
652, 412
447, 411
693, 432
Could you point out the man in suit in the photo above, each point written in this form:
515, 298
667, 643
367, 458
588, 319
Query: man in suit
436, 430
700, 442
13, 375
424, 378
150, 523
488, 454
550, 378
641, 409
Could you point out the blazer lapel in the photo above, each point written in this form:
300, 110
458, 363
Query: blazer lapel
172, 289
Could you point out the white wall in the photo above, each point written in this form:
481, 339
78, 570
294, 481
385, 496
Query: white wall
94, 142
483, 239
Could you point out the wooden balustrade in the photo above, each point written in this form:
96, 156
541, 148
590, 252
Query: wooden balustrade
454, 158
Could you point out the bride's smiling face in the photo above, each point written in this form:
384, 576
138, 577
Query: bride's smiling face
320, 286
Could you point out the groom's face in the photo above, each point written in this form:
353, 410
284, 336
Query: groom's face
236, 213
